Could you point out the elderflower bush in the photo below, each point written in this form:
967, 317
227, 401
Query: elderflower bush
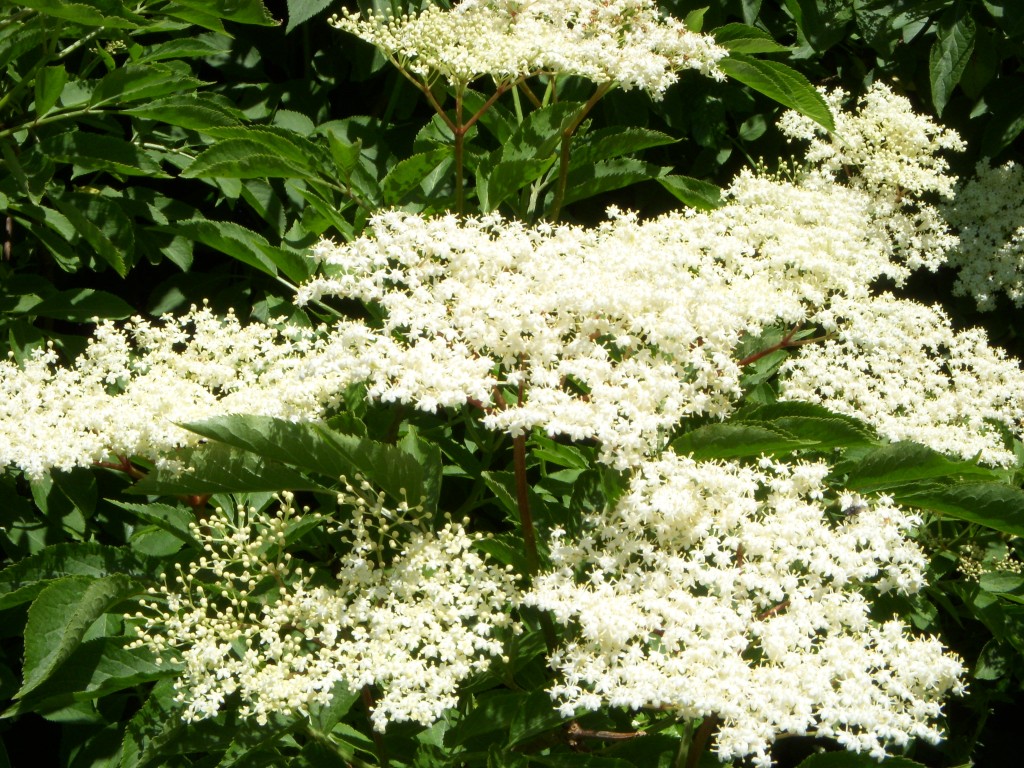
990, 254
127, 394
900, 366
411, 610
723, 590
627, 42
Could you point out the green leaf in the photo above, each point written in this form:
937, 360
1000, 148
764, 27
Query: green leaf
994, 505
807, 421
88, 13
540, 132
536, 715
184, 48
609, 175
729, 440
220, 469
49, 84
404, 471
59, 617
22, 581
407, 174
606, 143
95, 668
702, 195
136, 82
303, 10
241, 11
196, 111
245, 245
781, 83
949, 55
694, 20
245, 159
843, 759
80, 305
496, 119
97, 152
102, 223
496, 184
822, 23
740, 38
174, 520
898, 464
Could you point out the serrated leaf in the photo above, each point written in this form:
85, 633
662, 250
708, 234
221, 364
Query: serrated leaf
135, 82
95, 668
198, 112
694, 20
59, 617
496, 119
949, 55
98, 152
540, 132
245, 245
244, 159
22, 581
702, 195
183, 48
740, 38
727, 441
536, 715
80, 305
891, 466
407, 174
174, 520
507, 178
49, 85
402, 473
241, 11
220, 469
89, 13
609, 175
608, 143
781, 83
994, 505
102, 223
303, 10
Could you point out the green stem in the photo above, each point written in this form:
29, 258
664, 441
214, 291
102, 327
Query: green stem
563, 159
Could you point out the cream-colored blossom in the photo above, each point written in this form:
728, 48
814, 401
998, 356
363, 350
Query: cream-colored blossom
626, 42
723, 589
412, 615
613, 332
988, 213
894, 155
129, 390
901, 367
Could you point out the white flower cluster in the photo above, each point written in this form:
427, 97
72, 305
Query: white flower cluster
901, 367
887, 150
411, 612
717, 589
612, 332
626, 42
131, 387
988, 212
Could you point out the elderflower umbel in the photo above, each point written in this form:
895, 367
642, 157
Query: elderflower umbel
988, 212
410, 611
899, 366
132, 386
718, 589
894, 154
626, 42
612, 332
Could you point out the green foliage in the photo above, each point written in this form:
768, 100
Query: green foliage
155, 154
